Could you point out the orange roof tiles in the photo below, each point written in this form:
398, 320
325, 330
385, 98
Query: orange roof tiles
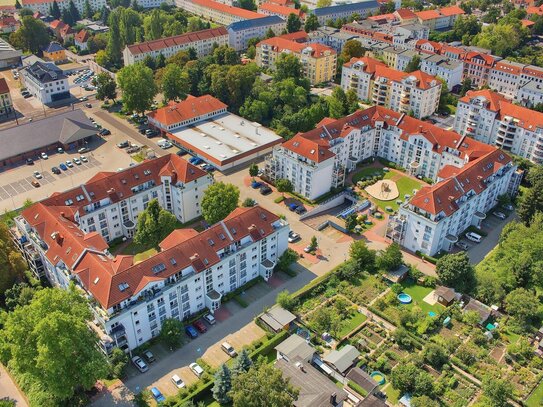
535, 10
527, 23
280, 10
223, 8
156, 45
191, 107
405, 14
370, 64
280, 44
82, 36
308, 149
429, 14
494, 99
452, 11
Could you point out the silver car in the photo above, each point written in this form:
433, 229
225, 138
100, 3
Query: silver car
140, 364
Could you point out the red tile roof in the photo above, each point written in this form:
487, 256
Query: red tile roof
308, 148
370, 64
4, 88
405, 14
280, 44
82, 37
280, 10
473, 55
527, 23
494, 99
298, 36
535, 10
452, 11
223, 8
156, 45
8, 21
56, 24
287, 3
191, 107
429, 14
439, 13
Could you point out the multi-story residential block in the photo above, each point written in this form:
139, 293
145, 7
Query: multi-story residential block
404, 92
331, 37
505, 78
439, 19
44, 6
449, 70
154, 3
201, 41
318, 61
530, 94
490, 118
6, 104
477, 67
192, 271
46, 82
273, 9
241, 32
332, 13
219, 13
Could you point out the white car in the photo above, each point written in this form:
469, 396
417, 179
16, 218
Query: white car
177, 381
44, 156
196, 369
474, 237
84, 159
69, 163
76, 161
140, 364
499, 215
293, 237
210, 319
38, 175
83, 150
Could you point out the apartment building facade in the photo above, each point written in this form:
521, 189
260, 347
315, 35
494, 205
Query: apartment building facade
492, 119
318, 61
241, 32
219, 13
46, 82
44, 6
6, 103
404, 92
332, 13
439, 19
201, 41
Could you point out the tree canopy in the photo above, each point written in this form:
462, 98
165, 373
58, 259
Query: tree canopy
12, 264
154, 224
31, 36
138, 86
391, 258
106, 88
219, 201
456, 271
174, 83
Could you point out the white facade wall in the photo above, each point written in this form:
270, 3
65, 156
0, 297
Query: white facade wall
45, 6
44, 91
212, 14
240, 38
506, 83
356, 79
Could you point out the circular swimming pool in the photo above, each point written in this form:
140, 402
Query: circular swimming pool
404, 298
378, 377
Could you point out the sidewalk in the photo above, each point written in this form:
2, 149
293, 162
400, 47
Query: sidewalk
9, 389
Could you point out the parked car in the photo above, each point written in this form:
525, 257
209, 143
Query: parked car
55, 170
210, 319
191, 332
499, 215
300, 210
88, 105
69, 163
149, 357
104, 132
44, 156
29, 161
83, 150
151, 133
265, 190
209, 168
293, 237
35, 183
76, 161
195, 160
474, 237
229, 349
196, 369
462, 245
200, 326
123, 144
292, 207
508, 207
63, 166
307, 249
140, 364
83, 99
177, 381
133, 149
60, 150
38, 175
84, 159
158, 396
255, 184
27, 95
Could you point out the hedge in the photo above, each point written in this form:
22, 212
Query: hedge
357, 388
380, 314
241, 301
270, 344
429, 259
279, 199
199, 394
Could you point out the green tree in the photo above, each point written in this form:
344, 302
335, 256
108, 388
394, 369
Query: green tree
225, 55
74, 12
171, 332
523, 306
155, 26
31, 36
180, 59
352, 49
19, 294
531, 200
12, 264
284, 185
391, 258
311, 23
455, 270
362, 255
497, 392
502, 39
423, 401
219, 201
337, 103
55, 10
242, 363
324, 3
66, 17
414, 64
114, 43
408, 378
313, 244
248, 203
138, 87
352, 101
247, 4
471, 318
106, 88
222, 385
154, 224
435, 355
50, 343
466, 86
118, 361
287, 66
18, 5
174, 83
286, 259
285, 300
87, 10
270, 33
293, 23
253, 170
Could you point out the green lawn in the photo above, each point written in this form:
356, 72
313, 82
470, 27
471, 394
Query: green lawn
418, 292
393, 395
536, 398
405, 186
367, 172
351, 323
145, 255
140, 252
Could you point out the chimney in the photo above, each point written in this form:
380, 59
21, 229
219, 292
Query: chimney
333, 397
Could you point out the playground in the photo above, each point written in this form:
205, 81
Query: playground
384, 190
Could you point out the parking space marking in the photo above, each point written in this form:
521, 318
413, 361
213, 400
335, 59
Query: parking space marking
9, 189
3, 194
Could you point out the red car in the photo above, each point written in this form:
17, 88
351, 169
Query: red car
200, 326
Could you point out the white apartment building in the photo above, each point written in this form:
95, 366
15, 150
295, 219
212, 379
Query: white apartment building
490, 118
44, 6
202, 42
46, 82
191, 272
447, 69
217, 12
154, 3
415, 92
239, 33
362, 8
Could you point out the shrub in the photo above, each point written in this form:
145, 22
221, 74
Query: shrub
279, 199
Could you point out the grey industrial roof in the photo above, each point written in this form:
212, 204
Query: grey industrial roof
277, 317
363, 379
295, 346
255, 22
64, 128
315, 388
341, 8
7, 51
342, 359
372, 401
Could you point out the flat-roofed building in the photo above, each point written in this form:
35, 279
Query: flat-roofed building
202, 42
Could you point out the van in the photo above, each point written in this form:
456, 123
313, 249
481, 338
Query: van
474, 237
229, 349
177, 381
